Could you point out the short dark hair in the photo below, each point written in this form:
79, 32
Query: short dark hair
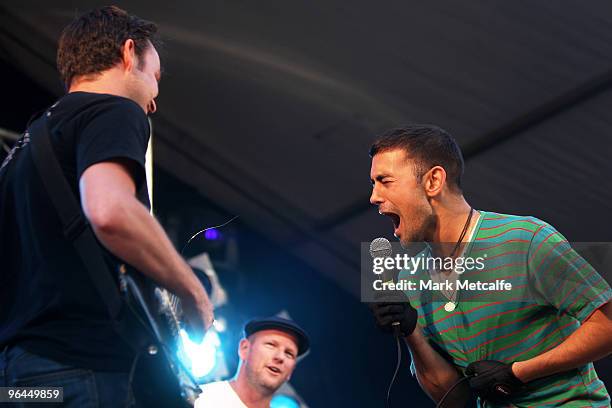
93, 42
428, 146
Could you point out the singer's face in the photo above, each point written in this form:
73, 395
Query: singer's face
400, 196
269, 358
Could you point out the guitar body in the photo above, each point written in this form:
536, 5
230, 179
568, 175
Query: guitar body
159, 377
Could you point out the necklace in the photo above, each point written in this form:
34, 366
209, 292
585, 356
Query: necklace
452, 296
465, 228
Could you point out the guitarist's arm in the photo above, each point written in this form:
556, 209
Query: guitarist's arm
125, 227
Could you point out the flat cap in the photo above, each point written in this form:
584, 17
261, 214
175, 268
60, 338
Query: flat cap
279, 323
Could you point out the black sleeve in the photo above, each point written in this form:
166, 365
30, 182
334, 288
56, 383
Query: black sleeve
116, 128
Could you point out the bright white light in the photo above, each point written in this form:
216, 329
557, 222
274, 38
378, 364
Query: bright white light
201, 357
220, 324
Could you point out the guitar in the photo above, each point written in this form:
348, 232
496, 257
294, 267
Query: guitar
160, 377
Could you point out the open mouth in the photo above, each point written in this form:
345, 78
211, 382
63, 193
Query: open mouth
274, 370
394, 217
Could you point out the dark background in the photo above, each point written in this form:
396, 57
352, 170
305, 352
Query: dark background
267, 110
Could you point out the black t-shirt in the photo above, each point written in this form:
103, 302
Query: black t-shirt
48, 305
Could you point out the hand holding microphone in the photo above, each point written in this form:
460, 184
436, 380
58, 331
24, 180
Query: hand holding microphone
393, 313
398, 317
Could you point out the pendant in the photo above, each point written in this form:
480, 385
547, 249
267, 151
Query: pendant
449, 307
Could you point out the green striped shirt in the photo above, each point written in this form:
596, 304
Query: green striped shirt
553, 291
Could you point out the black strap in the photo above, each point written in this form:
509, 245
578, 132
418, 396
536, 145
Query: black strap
76, 228
157, 368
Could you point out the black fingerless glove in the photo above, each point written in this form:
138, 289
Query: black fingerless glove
493, 380
387, 313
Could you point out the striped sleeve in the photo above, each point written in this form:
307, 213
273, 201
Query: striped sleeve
562, 278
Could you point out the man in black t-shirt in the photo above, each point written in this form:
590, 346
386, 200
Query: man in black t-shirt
54, 327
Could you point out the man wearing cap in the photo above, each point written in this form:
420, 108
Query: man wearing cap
268, 354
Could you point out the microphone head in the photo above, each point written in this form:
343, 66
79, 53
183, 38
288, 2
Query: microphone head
380, 248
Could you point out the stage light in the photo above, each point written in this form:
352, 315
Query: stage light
212, 234
201, 358
284, 401
220, 324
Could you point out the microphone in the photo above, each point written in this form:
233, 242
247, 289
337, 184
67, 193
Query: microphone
381, 248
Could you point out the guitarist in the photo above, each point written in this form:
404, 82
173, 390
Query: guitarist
54, 328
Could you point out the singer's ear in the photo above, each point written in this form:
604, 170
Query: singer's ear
434, 180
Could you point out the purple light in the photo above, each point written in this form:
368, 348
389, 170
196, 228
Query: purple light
212, 234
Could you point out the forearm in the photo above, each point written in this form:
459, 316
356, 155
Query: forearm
589, 343
435, 375
133, 235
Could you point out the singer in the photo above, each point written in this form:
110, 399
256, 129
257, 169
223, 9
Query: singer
527, 353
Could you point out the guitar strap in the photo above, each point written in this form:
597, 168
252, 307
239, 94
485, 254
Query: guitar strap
153, 381
77, 230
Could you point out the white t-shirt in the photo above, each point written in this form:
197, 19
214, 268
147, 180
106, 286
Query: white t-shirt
219, 394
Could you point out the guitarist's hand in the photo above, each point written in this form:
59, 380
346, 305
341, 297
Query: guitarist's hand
199, 316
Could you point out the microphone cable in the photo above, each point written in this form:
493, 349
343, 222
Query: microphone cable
450, 390
396, 334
